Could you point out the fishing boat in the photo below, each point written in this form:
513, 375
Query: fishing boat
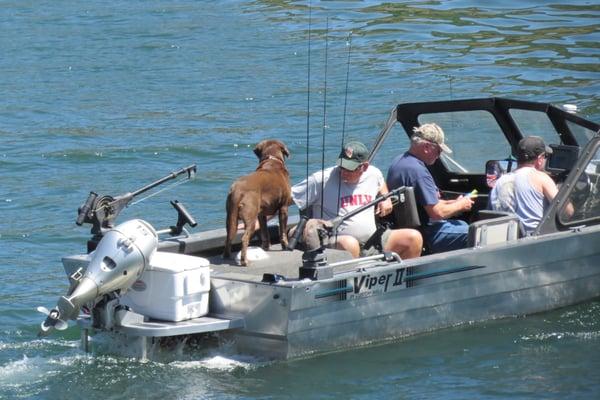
140, 287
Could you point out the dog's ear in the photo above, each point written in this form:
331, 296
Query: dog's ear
258, 149
285, 150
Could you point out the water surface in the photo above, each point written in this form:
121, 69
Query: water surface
109, 96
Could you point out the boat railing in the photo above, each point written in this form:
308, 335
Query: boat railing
388, 256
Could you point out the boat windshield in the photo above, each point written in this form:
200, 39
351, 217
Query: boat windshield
538, 124
476, 135
535, 123
583, 135
584, 196
464, 132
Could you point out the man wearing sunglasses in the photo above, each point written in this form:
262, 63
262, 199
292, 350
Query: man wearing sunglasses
410, 169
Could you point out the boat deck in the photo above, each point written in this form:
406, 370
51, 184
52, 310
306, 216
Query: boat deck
277, 261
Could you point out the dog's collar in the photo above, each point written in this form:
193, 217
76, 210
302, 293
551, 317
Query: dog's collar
273, 158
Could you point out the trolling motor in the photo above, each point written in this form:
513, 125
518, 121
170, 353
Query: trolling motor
101, 211
315, 233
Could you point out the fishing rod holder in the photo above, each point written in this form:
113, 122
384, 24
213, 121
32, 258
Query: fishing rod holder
314, 260
315, 266
183, 218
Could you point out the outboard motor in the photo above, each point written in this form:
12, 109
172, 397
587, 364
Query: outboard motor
119, 259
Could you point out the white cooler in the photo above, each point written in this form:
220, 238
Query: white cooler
174, 287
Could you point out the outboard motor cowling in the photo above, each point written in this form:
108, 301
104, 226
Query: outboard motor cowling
119, 259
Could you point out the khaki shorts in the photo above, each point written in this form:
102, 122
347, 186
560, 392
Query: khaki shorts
385, 236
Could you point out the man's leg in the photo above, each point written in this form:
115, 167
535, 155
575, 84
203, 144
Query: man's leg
407, 243
348, 243
446, 235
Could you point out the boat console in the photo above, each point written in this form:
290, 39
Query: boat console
562, 160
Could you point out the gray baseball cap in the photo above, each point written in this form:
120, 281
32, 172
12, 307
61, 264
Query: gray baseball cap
352, 155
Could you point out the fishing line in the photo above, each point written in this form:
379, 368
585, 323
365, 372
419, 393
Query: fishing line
324, 117
170, 186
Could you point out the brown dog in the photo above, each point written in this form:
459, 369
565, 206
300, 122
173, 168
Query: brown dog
258, 195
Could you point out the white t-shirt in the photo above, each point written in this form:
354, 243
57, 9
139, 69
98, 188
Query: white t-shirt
351, 196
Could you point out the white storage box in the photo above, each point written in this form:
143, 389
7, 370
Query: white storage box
174, 287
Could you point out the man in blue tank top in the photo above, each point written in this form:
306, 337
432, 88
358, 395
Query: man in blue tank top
410, 169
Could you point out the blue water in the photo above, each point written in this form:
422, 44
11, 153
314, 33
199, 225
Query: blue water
109, 96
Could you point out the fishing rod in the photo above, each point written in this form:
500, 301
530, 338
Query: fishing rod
324, 117
303, 218
349, 44
308, 98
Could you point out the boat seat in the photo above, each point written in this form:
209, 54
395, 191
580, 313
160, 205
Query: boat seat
404, 214
498, 228
490, 214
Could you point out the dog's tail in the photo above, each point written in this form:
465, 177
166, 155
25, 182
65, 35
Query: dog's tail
230, 223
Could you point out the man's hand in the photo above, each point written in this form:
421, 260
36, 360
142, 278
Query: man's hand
465, 202
384, 207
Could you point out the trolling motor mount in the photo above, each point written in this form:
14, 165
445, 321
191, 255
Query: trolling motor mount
102, 211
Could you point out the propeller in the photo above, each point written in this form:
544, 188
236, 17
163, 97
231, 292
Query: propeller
52, 320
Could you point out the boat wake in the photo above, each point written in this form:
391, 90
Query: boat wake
40, 344
221, 363
552, 336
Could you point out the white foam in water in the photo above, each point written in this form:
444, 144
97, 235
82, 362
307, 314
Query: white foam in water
39, 344
22, 372
562, 335
220, 363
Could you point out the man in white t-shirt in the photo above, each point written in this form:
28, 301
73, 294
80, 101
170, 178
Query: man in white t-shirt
338, 190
